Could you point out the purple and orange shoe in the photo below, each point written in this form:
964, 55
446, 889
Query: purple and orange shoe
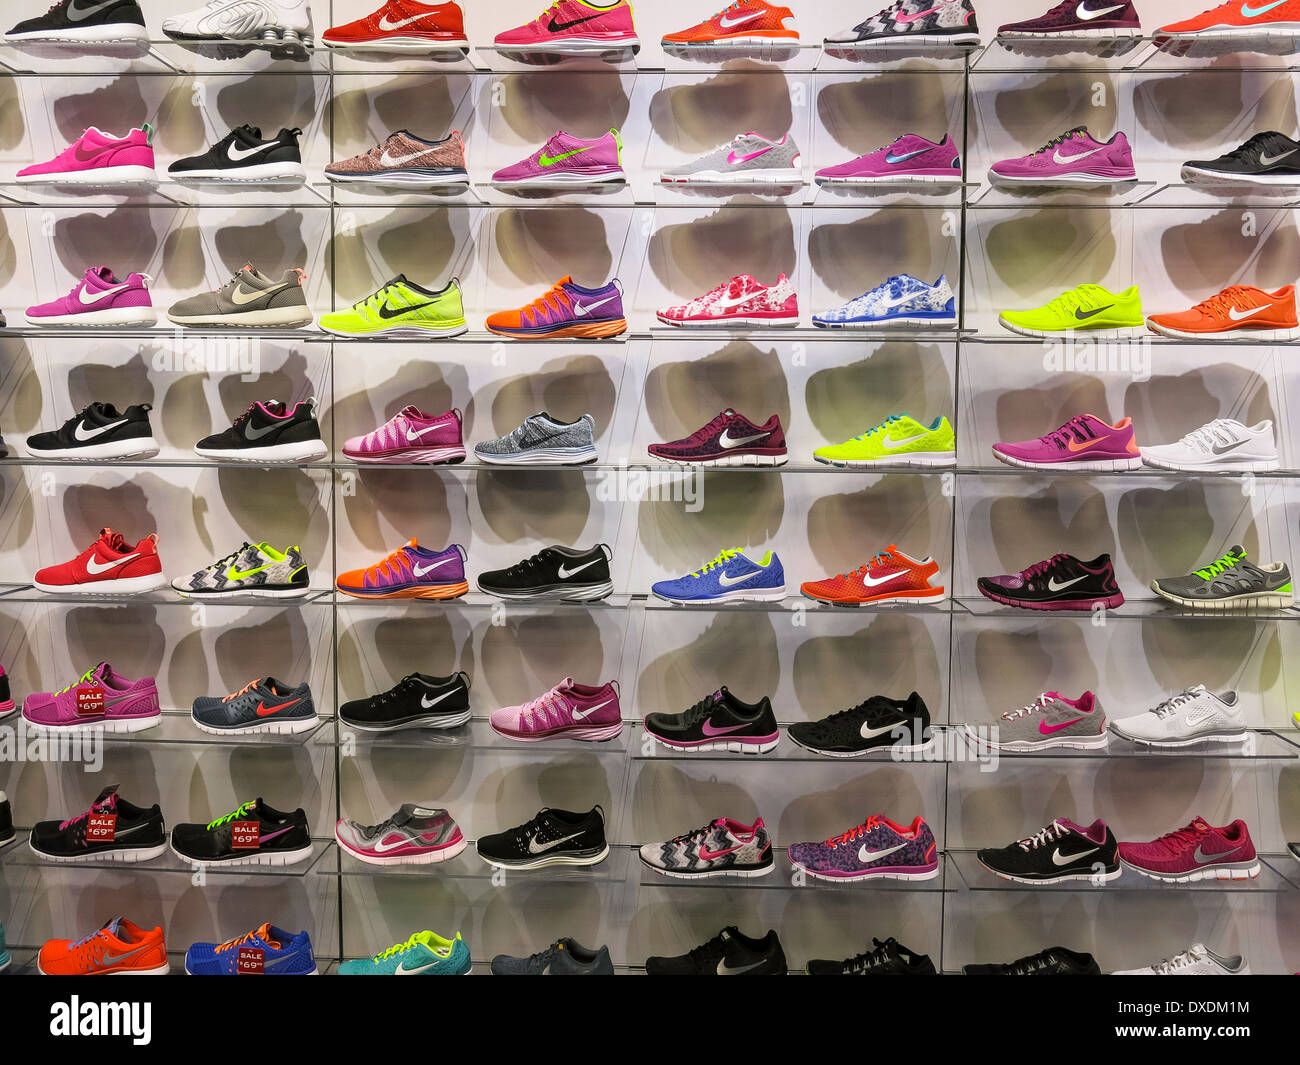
909, 160
1197, 852
1080, 18
410, 572
566, 309
1085, 442
568, 711
99, 299
877, 848
567, 160
98, 158
411, 435
1075, 159
574, 27
101, 699
730, 439
1061, 582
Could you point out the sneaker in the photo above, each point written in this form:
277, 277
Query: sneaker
1197, 852
889, 958
1062, 851
250, 298
740, 301
942, 24
424, 954
1239, 311
541, 440
718, 722
729, 953
109, 566
1051, 721
415, 701
1223, 444
98, 158
892, 576
1196, 960
1085, 442
747, 159
101, 699
254, 570
565, 160
723, 847
564, 957
252, 834
564, 574
99, 299
268, 431
401, 308
411, 435
1229, 583
5, 957
265, 951
1054, 961
263, 705
1266, 160
119, 948
402, 26
1088, 307
415, 835
744, 27
1194, 715
7, 834
568, 711
1074, 159
1080, 18
112, 830
244, 156
83, 22
98, 431
574, 27
553, 837
404, 160
910, 160
878, 724
410, 572
265, 22
731, 577
876, 849
566, 309
902, 300
6, 697
730, 439
1229, 21
1061, 582
900, 440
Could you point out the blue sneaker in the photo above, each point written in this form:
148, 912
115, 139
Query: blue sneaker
263, 705
424, 954
902, 300
266, 951
731, 577
4, 953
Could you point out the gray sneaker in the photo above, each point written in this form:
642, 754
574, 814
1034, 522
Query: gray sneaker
1228, 583
543, 441
749, 159
253, 570
1051, 720
248, 298
565, 957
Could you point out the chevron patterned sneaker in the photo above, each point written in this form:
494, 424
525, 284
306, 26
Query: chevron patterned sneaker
251, 570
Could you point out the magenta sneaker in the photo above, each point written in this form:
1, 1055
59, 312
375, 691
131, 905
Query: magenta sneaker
730, 439
571, 27
1074, 159
6, 702
99, 299
1197, 852
410, 572
741, 301
1080, 18
568, 160
910, 159
1061, 582
876, 849
1084, 442
98, 158
411, 435
569, 710
101, 699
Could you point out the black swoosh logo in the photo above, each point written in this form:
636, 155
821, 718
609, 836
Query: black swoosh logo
393, 312
1082, 315
555, 27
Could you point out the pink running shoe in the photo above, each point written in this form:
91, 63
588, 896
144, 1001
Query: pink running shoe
575, 711
1075, 159
99, 298
568, 160
909, 160
1085, 442
98, 158
101, 699
571, 27
415, 835
1198, 852
741, 301
411, 435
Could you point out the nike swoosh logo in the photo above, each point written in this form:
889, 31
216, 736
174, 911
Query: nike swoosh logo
729, 441
709, 855
869, 581
727, 302
727, 23
1201, 858
1269, 160
239, 154
266, 837
102, 295
735, 970
551, 160
870, 733
1046, 730
387, 312
426, 702
733, 158
113, 959
1059, 859
80, 432
1053, 585
1250, 312
556, 27
1254, 12
265, 711
233, 574
728, 581
903, 20
420, 571
865, 856
256, 434
80, 14
83, 155
1223, 449
401, 969
1057, 157
415, 434
382, 847
1087, 15
710, 729
892, 444
565, 574
891, 158
1082, 315
581, 309
582, 715
242, 296
387, 24
398, 160
103, 567
1074, 445
533, 848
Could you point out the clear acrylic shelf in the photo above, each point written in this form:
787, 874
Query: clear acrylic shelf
21, 857
976, 878
782, 878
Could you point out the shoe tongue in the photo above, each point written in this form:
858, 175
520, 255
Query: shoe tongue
252, 131
567, 279
275, 406
264, 933
404, 814
104, 274
565, 685
720, 696
107, 797
1201, 825
113, 540
1238, 551
413, 544
410, 411
112, 926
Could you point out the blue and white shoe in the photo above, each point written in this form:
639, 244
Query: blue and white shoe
902, 300
266, 951
729, 578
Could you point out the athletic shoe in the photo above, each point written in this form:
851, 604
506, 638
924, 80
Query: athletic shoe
1085, 442
564, 957
5, 957
101, 699
878, 724
1231, 21
900, 440
743, 27
718, 722
424, 954
284, 23
98, 158
1239, 311
731, 577
565, 160
98, 431
740, 301
112, 830
404, 160
1074, 159
244, 156
891, 576
566, 574
1061, 582
415, 701
1080, 18
1223, 444
268, 431
540, 440
402, 26
83, 22
252, 834
1266, 160
568, 711
98, 299
250, 298
723, 847
902, 300
730, 439
1051, 721
565, 310
262, 705
1229, 583
1196, 960
889, 958
1087, 307
119, 948
6, 697
415, 835
1194, 715
250, 570
7, 834
410, 572
1062, 851
570, 27
265, 951
411, 435
553, 837
876, 849
910, 160
1197, 852
729, 953
1054, 961
938, 24
747, 159
401, 308
109, 566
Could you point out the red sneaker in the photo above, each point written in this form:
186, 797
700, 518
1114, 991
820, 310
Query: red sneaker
889, 577
1198, 852
109, 566
403, 26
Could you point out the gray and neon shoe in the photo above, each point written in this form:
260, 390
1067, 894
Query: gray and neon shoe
250, 298
543, 441
252, 570
723, 847
564, 957
415, 835
1194, 715
1051, 720
264, 705
1229, 583
749, 159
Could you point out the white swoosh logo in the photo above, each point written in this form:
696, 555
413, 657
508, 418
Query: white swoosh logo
727, 302
1237, 315
1053, 585
426, 702
420, 572
398, 160
1063, 159
727, 582
1269, 160
565, 574
727, 23
891, 443
82, 433
871, 582
401, 969
735, 970
865, 855
102, 295
868, 733
241, 295
1059, 859
383, 848
103, 567
385, 24
580, 309
419, 432
727, 440
581, 715
533, 848
237, 154
1088, 16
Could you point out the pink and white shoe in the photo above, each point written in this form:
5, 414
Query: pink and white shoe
1085, 442
101, 699
415, 835
98, 158
572, 27
568, 160
741, 301
909, 160
568, 711
411, 435
1075, 159
99, 298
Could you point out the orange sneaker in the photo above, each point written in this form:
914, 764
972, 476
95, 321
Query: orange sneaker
119, 948
410, 572
1237, 309
1239, 18
891, 576
566, 309
744, 22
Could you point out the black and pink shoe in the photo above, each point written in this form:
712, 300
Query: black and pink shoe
1061, 582
730, 439
718, 722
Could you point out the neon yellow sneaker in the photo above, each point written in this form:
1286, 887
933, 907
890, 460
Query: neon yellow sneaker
1089, 307
900, 440
401, 308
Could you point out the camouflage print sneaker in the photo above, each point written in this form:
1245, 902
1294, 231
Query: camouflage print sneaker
544, 441
1229, 583
405, 159
253, 570
250, 298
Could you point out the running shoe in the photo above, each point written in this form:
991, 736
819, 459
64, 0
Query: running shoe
910, 160
553, 837
251, 570
1266, 160
265, 951
1074, 159
404, 160
262, 705
97, 159
730, 439
1062, 851
723, 847
5, 957
1198, 851
1229, 583
1233, 21
892, 576
98, 431
411, 435
902, 300
1223, 444
415, 701
729, 953
410, 572
7, 834
268, 431
401, 308
540, 440
1085, 442
1054, 961
112, 830
565, 310
1080, 18
743, 27
101, 700
6, 696
564, 957
1061, 582
877, 724
283, 23
938, 24
574, 27
1194, 715
1196, 960
119, 948
252, 834
99, 299
900, 440
718, 722
747, 159
568, 711
565, 161
876, 849
244, 156
249, 298
402, 26
740, 301
83, 22
731, 577
1087, 307
415, 835
563, 574
424, 954
109, 566
1050, 722
1239, 312
889, 958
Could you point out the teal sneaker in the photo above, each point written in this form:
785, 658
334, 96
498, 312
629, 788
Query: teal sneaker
424, 954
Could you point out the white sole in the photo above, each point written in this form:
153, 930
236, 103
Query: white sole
742, 177
138, 447
1099, 34
415, 455
1077, 743
275, 173
833, 48
243, 593
576, 594
287, 727
270, 858
556, 456
444, 721
1111, 332
929, 874
400, 44
900, 180
1237, 737
400, 179
727, 460
1213, 872
1063, 181
561, 180
415, 331
107, 724
1229, 33
161, 970
107, 175
575, 47
121, 32
928, 458
542, 863
740, 874
1040, 881
427, 858
141, 316
1227, 334
886, 323
270, 316
125, 856
1097, 465
732, 746
727, 323
767, 595
891, 748
121, 586
1210, 179
1234, 602
299, 451
1223, 465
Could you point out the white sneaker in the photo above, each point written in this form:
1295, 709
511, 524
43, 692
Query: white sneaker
1192, 716
1223, 444
244, 20
1196, 960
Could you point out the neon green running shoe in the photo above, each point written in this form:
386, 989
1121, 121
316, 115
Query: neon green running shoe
900, 440
1089, 307
424, 954
401, 308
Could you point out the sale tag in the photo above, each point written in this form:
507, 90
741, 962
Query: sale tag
245, 835
90, 702
251, 961
100, 828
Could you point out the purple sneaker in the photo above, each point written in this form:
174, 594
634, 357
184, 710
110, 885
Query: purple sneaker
569, 710
910, 159
876, 848
1080, 18
411, 435
1075, 159
99, 299
568, 160
101, 699
410, 572
1085, 442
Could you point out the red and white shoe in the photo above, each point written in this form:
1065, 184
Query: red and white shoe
403, 26
109, 566
741, 301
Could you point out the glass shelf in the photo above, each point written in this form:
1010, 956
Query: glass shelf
163, 193
780, 879
21, 856
1261, 745
645, 748
1011, 197
1136, 336
976, 878
177, 727
469, 866
474, 735
26, 593
1131, 610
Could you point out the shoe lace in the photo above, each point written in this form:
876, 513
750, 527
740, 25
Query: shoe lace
879, 428
1173, 703
397, 948
724, 556
1258, 142
1219, 565
854, 833
870, 958
711, 948
878, 559
1076, 297
1039, 568
1215, 432
236, 942
1062, 435
95, 807
1043, 837
693, 834
1179, 961
389, 561
242, 810
547, 701
85, 678
246, 687
1221, 303
1036, 707
551, 299
1029, 964
1179, 838
1077, 131
224, 563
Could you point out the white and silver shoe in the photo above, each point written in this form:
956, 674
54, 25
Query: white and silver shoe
254, 21
1196, 960
1223, 444
1192, 716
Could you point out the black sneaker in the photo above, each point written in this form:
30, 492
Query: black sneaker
84, 22
415, 701
1270, 158
1294, 848
1054, 961
564, 957
268, 431
889, 958
878, 724
553, 837
1061, 851
254, 834
243, 155
99, 431
1061, 582
7, 834
729, 953
720, 722
563, 573
112, 830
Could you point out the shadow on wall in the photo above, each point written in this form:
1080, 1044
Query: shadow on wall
704, 662
1168, 405
244, 648
17, 513
690, 258
565, 387
120, 98
1025, 528
540, 247
682, 395
1208, 113
384, 501
196, 258
584, 103
13, 129
550, 506
1222, 654
1049, 656
697, 118
845, 530
131, 637
1204, 256
375, 653
1035, 110
1046, 250
745, 510
364, 117
532, 652
852, 257
431, 386
24, 365
843, 401
283, 507
429, 247
116, 237
512, 793
863, 115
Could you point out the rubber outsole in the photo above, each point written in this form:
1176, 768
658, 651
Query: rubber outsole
1109, 601
425, 591
286, 727
577, 330
1268, 600
426, 857
442, 721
